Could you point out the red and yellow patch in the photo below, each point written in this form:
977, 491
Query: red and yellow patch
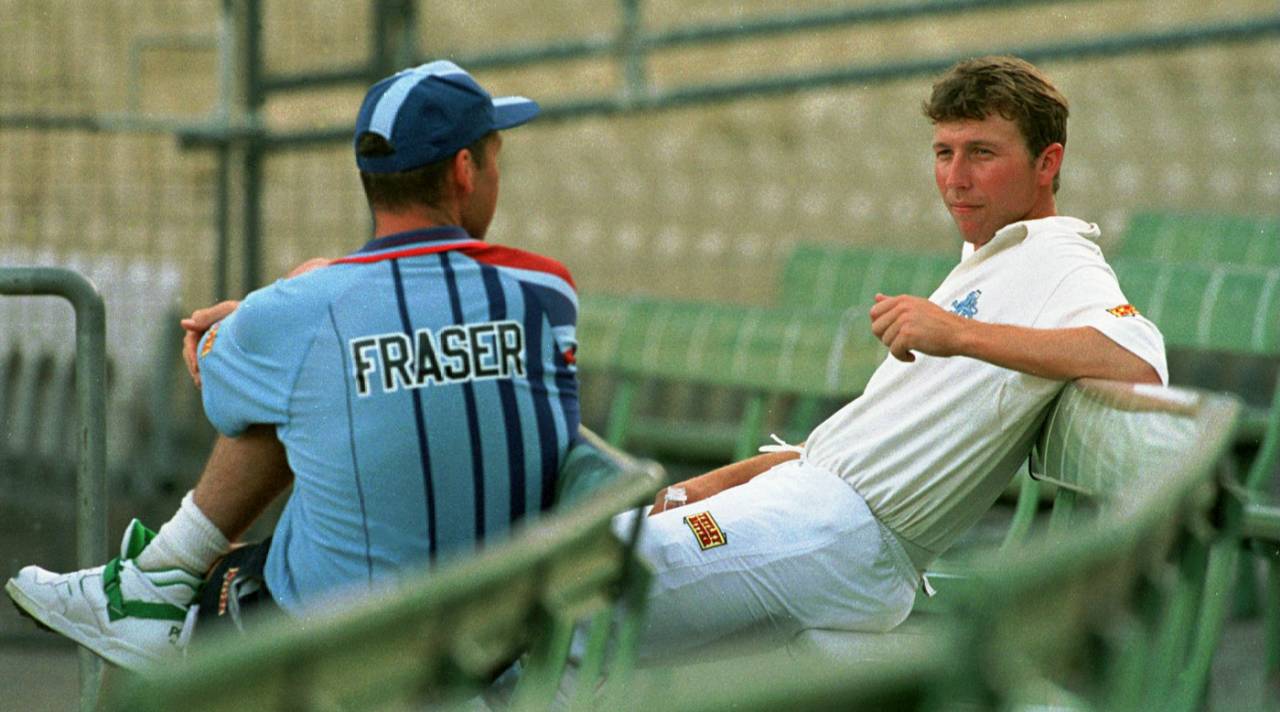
1123, 310
705, 530
211, 337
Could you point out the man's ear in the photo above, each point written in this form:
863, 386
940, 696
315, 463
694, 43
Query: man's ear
1049, 162
464, 171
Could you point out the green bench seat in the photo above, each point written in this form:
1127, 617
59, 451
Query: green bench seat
440, 638
1222, 322
837, 276
1101, 605
1221, 311
789, 365
1204, 238
766, 355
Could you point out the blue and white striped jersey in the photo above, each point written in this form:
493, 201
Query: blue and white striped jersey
425, 392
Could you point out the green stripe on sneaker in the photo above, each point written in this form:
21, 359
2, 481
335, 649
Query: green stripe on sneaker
118, 608
137, 536
154, 611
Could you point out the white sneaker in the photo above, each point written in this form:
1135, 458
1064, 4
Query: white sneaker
132, 618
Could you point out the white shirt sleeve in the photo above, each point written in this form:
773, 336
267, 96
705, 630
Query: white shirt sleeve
1090, 295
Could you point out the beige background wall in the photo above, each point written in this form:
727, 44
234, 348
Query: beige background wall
698, 202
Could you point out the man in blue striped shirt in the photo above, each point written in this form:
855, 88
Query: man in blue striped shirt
419, 394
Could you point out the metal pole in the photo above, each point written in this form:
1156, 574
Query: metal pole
254, 153
222, 219
251, 193
631, 52
651, 99
222, 117
394, 43
91, 386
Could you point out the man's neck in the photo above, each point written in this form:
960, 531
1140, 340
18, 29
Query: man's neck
1045, 207
390, 223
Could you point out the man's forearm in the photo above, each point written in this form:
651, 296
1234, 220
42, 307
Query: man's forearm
723, 478
244, 474
906, 323
1058, 354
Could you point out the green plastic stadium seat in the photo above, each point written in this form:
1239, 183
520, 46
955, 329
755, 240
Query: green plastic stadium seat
1203, 238
440, 638
1217, 316
834, 276
789, 365
1100, 607
766, 355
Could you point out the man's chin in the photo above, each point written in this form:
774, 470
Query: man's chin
972, 233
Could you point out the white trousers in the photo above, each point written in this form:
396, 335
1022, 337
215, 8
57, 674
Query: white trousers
793, 549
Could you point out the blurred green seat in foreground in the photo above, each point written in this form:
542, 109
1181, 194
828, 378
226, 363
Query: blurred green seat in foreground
781, 364
440, 639
1101, 604
1204, 238
1222, 329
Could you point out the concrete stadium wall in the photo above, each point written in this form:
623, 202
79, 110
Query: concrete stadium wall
699, 202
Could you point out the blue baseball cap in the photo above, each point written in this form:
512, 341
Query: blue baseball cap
430, 112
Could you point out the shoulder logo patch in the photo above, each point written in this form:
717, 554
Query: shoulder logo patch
1123, 310
209, 339
705, 530
968, 307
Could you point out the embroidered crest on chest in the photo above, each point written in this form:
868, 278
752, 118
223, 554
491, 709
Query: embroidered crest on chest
967, 307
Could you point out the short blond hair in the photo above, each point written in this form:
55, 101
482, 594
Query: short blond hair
1011, 87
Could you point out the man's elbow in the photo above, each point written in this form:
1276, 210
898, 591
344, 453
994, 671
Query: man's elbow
1118, 363
1147, 374
1134, 369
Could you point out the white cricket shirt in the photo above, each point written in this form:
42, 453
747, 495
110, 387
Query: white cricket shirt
931, 444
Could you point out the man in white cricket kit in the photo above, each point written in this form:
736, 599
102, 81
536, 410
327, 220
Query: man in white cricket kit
835, 534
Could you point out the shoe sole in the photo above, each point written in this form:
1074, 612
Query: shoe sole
54, 623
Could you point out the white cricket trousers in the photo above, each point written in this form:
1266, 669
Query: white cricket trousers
800, 550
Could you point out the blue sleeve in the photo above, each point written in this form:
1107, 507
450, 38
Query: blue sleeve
249, 361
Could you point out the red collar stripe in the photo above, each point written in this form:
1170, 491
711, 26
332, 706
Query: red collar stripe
411, 252
500, 256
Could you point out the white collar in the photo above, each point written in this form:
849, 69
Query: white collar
1015, 233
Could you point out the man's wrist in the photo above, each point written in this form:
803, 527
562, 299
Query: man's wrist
969, 338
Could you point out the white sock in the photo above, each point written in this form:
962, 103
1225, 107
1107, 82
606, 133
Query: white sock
189, 541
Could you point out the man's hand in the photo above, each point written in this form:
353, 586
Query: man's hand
195, 326
905, 323
722, 478
695, 489
202, 319
313, 263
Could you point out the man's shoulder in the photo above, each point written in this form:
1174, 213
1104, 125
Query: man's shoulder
521, 262
292, 305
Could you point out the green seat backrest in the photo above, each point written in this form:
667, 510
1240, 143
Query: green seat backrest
1118, 444
793, 351
1142, 461
1048, 621
440, 637
1218, 307
1202, 238
828, 276
602, 321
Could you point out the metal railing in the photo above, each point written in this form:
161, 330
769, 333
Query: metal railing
91, 388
